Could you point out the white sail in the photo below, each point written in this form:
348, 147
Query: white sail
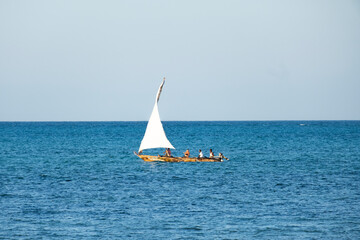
155, 135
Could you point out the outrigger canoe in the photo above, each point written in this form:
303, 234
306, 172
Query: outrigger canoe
155, 137
149, 158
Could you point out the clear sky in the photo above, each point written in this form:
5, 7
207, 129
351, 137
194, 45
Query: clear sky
223, 60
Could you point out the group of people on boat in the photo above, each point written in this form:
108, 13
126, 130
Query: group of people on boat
201, 154
167, 153
187, 154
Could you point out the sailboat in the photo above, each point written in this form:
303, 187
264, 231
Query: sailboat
155, 137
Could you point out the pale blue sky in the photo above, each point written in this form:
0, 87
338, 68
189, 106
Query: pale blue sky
224, 60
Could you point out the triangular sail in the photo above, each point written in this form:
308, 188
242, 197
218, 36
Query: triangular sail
155, 135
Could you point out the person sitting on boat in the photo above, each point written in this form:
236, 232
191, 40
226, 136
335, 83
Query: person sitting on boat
187, 153
201, 155
221, 156
211, 153
167, 152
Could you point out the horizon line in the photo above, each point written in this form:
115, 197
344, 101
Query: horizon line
278, 120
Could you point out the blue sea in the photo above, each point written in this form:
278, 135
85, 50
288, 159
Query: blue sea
81, 180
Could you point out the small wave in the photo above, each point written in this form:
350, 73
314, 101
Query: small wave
179, 178
6, 195
196, 228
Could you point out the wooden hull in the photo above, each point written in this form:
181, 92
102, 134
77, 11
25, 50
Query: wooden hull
149, 158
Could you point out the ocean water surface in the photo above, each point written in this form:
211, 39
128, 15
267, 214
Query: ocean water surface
80, 180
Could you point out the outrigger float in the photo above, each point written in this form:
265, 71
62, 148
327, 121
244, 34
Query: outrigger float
155, 138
